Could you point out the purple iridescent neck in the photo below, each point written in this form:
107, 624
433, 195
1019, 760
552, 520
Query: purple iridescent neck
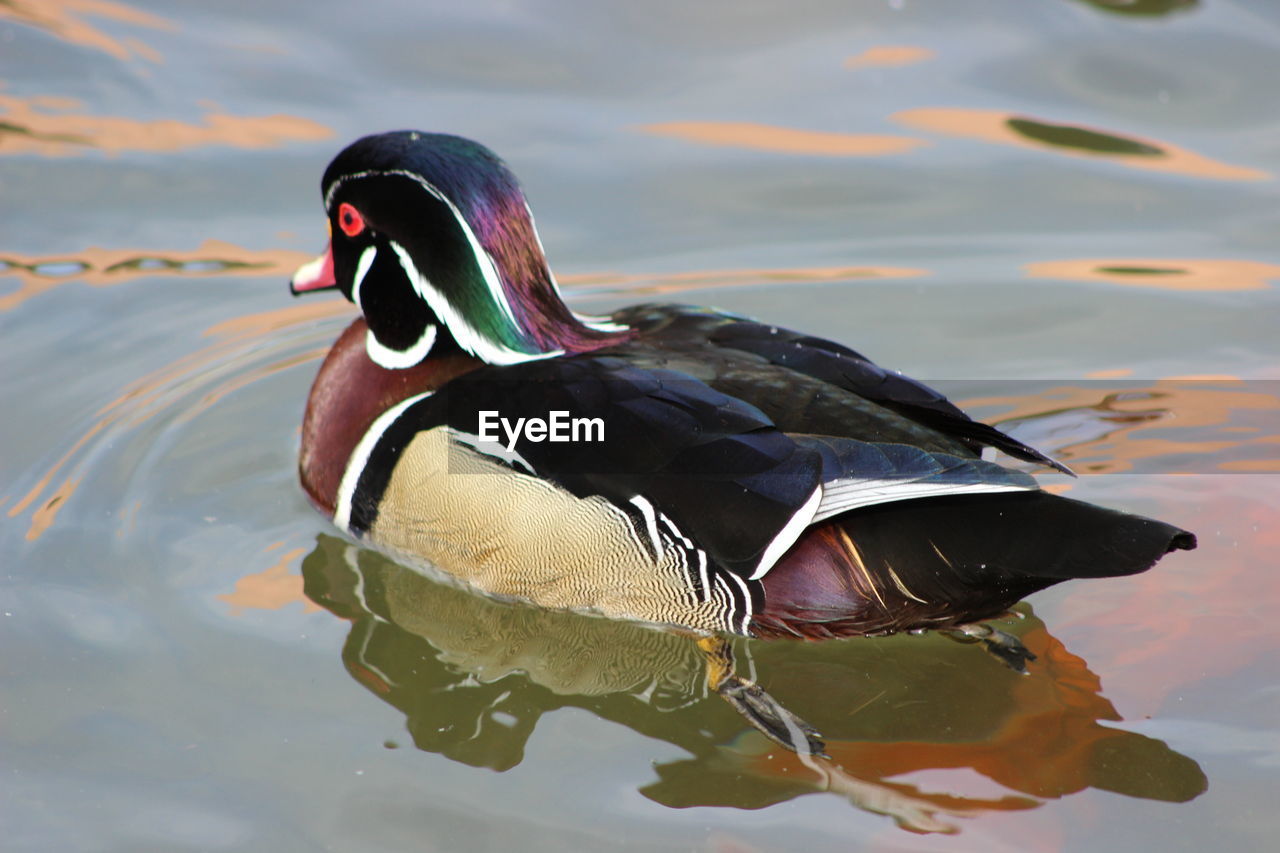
454, 218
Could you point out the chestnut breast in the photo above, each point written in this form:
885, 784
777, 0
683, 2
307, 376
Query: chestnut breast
348, 394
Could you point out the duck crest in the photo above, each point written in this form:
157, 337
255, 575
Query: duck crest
450, 255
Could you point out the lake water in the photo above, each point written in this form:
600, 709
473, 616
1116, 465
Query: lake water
1063, 212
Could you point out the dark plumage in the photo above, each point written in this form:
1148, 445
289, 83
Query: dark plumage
748, 479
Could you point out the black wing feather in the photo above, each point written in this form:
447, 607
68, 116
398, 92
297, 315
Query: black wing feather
829, 362
844, 368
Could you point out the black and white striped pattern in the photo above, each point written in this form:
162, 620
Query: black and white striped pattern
656, 538
706, 582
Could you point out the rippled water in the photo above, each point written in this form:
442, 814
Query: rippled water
1063, 212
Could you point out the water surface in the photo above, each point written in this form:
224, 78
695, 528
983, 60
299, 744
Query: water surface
1062, 212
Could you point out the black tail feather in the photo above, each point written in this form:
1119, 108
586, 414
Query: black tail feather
1022, 541
951, 560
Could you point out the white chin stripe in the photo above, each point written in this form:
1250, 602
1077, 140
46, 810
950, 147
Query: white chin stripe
362, 270
394, 359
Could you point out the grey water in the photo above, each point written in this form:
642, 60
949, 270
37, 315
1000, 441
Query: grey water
1063, 212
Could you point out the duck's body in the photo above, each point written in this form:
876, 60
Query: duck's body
728, 476
566, 535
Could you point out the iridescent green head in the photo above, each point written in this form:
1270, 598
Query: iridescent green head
432, 239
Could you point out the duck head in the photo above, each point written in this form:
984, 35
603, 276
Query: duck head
431, 237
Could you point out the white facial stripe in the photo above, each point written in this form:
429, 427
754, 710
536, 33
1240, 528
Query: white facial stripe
488, 269
383, 355
362, 269
394, 359
600, 324
790, 532
463, 332
360, 458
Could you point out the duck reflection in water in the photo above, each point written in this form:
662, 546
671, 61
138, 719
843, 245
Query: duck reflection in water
473, 675
754, 481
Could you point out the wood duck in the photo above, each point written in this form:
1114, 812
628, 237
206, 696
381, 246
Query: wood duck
676, 465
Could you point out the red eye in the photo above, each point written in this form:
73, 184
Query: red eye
350, 220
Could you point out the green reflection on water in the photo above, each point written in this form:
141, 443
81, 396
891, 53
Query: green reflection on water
473, 676
1081, 138
1143, 270
22, 130
1143, 7
46, 269
203, 265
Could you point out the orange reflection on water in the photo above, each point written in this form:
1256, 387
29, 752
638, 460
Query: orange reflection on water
53, 128
1053, 716
704, 279
1196, 622
1137, 152
266, 323
44, 515
1213, 418
231, 336
101, 267
1211, 612
64, 19
889, 56
786, 140
1043, 738
1256, 466
168, 390
1164, 273
272, 588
